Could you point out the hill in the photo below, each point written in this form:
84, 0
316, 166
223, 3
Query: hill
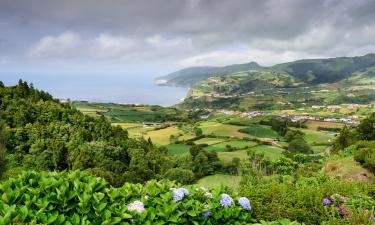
191, 75
311, 71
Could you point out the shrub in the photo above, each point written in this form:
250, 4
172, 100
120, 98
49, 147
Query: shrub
179, 175
79, 198
300, 199
365, 154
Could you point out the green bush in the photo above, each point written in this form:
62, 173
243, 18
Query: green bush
365, 154
179, 175
301, 199
78, 198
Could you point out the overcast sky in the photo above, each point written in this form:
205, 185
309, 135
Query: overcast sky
159, 36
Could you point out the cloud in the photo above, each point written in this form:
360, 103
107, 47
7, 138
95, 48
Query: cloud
72, 46
187, 32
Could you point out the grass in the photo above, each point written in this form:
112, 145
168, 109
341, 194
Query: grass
178, 149
209, 141
162, 136
227, 157
346, 169
186, 136
221, 147
220, 179
219, 129
128, 125
261, 131
313, 125
317, 137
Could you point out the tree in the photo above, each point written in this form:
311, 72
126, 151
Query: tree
180, 175
345, 139
198, 131
298, 145
201, 165
366, 129
294, 134
3, 141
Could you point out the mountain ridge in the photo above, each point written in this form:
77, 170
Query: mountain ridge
315, 71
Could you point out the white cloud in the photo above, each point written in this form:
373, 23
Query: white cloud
106, 47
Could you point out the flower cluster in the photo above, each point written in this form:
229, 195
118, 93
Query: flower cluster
226, 200
245, 203
208, 195
137, 206
179, 194
342, 204
208, 212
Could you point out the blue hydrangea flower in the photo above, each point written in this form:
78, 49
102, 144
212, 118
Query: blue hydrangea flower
327, 202
226, 200
245, 203
184, 190
206, 214
178, 195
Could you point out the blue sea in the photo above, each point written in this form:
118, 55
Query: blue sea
116, 88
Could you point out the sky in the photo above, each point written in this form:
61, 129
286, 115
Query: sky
156, 37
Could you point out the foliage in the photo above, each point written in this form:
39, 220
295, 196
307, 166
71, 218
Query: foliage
300, 198
45, 134
179, 175
77, 198
365, 154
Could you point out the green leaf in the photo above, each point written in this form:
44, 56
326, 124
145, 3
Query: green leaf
23, 212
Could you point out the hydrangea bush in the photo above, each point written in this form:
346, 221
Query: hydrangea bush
78, 198
345, 207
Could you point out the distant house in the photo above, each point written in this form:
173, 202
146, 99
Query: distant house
148, 124
204, 117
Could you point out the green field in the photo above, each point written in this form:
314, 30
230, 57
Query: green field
221, 147
317, 137
261, 132
220, 179
128, 113
178, 149
162, 136
219, 129
209, 141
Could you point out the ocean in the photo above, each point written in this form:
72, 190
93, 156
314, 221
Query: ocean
115, 88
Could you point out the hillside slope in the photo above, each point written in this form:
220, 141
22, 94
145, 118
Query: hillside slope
311, 71
191, 75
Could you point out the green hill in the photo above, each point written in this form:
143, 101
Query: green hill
312, 71
191, 75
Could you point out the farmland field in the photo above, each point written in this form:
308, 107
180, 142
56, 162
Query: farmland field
162, 136
178, 149
313, 125
219, 129
261, 131
209, 141
218, 180
221, 147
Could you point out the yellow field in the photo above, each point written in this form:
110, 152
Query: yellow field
162, 136
128, 125
209, 141
313, 125
186, 136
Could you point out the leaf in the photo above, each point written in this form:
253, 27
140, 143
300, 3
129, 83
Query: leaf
23, 212
126, 216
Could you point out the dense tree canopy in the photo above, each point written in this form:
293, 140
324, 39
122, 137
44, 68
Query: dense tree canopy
44, 134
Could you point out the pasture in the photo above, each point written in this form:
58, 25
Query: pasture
219, 180
261, 131
162, 136
221, 147
313, 125
219, 129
